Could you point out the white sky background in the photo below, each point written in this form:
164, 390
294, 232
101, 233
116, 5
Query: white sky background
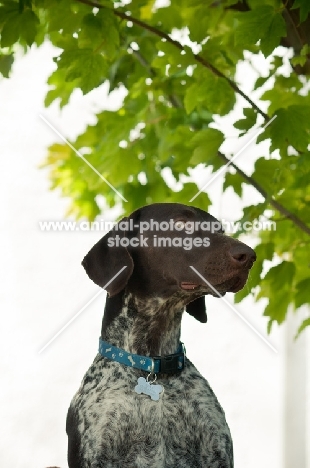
43, 285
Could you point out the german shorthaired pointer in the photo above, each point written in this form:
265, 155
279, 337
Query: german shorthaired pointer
120, 417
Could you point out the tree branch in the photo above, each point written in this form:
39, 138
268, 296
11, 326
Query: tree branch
268, 198
198, 58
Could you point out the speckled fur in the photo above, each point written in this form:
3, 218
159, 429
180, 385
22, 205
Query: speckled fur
118, 428
108, 424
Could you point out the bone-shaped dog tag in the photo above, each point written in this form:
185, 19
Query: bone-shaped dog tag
148, 388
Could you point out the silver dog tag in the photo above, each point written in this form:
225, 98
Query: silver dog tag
148, 388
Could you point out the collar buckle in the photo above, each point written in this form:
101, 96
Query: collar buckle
170, 363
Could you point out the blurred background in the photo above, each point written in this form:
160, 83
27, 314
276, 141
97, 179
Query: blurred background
43, 286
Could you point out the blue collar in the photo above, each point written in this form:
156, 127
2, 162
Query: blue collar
171, 363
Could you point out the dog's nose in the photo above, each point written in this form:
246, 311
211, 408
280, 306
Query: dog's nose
242, 255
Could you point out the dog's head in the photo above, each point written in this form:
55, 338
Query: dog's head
168, 247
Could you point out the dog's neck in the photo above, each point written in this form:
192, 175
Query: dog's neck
150, 327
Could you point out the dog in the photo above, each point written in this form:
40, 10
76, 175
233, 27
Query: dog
142, 403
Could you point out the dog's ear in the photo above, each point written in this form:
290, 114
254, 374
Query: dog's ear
105, 261
197, 308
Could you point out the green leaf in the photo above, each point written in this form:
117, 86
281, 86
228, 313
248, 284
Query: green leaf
302, 58
89, 69
189, 191
277, 287
267, 173
265, 251
277, 307
253, 281
235, 181
250, 214
11, 29
280, 98
207, 15
6, 62
146, 11
272, 37
261, 80
110, 31
8, 9
278, 278
291, 127
63, 16
253, 211
262, 23
19, 25
305, 324
304, 7
29, 26
298, 60
206, 144
253, 25
212, 92
249, 121
59, 88
90, 35
302, 293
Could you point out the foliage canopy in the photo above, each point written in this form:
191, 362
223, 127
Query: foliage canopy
174, 88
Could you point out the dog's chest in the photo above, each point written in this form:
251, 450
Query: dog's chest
119, 427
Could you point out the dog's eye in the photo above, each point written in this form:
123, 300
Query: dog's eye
179, 225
